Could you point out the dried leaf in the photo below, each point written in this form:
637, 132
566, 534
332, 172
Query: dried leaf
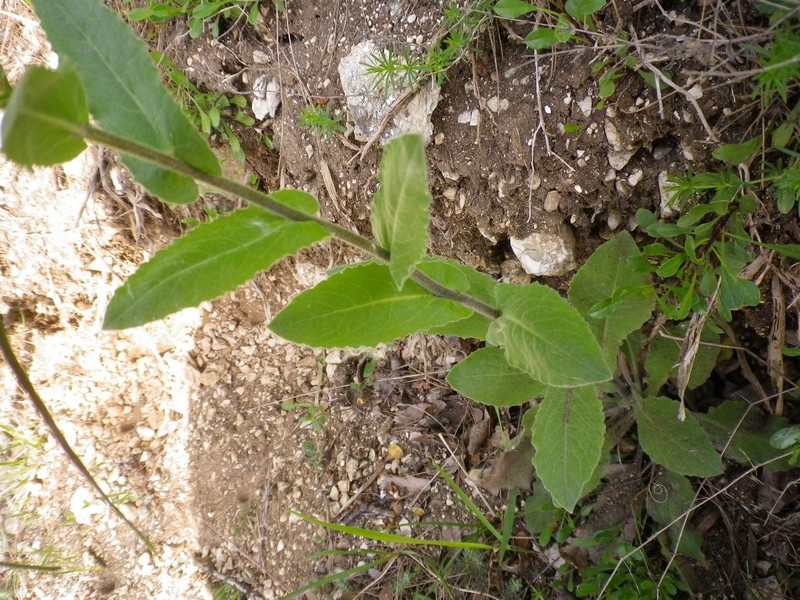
513, 469
478, 434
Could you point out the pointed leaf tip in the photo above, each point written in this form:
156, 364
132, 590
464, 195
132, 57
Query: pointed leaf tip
207, 262
401, 210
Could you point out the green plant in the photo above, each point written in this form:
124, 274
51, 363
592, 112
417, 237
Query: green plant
209, 211
565, 351
394, 69
538, 343
321, 121
199, 13
313, 414
577, 14
210, 112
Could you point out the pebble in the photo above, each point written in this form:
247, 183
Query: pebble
619, 158
552, 200
635, 177
495, 104
613, 136
544, 254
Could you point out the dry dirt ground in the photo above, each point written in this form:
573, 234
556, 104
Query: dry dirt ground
208, 430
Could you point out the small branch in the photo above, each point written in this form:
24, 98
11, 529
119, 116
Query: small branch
227, 186
41, 408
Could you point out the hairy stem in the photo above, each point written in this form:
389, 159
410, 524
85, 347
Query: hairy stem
230, 187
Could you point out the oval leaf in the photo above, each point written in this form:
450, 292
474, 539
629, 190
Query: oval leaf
579, 9
568, 436
736, 154
401, 210
486, 377
361, 306
41, 116
603, 277
124, 91
209, 261
546, 337
680, 446
541, 38
511, 9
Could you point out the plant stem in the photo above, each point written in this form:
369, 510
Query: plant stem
230, 187
25, 383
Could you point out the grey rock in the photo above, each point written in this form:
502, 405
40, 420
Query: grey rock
546, 253
368, 106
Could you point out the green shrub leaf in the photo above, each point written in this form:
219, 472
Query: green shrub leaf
568, 436
736, 154
580, 9
546, 337
665, 354
541, 38
751, 433
606, 276
401, 210
41, 117
486, 377
124, 92
210, 260
680, 446
361, 306
670, 496
511, 9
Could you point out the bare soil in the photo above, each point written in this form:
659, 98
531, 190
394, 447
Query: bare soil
213, 430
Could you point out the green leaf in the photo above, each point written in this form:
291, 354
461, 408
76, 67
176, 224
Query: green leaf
401, 210
568, 438
361, 306
604, 276
606, 85
736, 154
5, 88
124, 92
541, 38
783, 134
751, 433
210, 260
540, 514
665, 355
579, 9
486, 377
788, 250
41, 119
734, 293
785, 438
511, 9
680, 446
546, 337
670, 495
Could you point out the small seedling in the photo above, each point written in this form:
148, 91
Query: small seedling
210, 212
321, 121
394, 69
314, 416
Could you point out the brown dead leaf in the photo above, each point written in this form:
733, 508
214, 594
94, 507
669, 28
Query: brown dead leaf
512, 469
